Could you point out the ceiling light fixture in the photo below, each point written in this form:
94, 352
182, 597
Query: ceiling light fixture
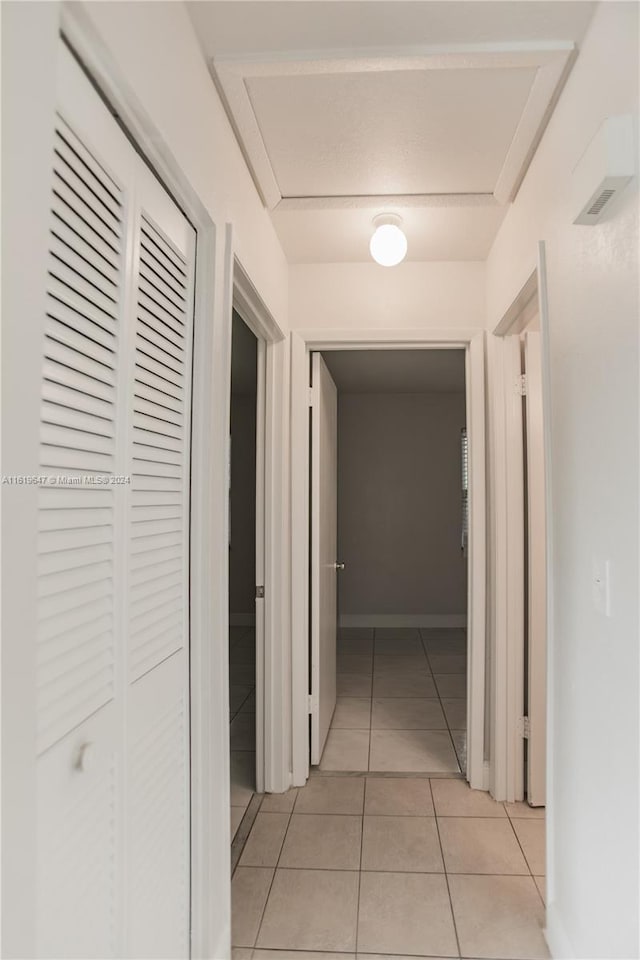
388, 244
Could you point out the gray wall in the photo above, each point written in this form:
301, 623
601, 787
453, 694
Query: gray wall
399, 503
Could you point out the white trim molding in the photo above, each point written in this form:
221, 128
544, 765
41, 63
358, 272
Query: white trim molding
551, 60
303, 342
273, 773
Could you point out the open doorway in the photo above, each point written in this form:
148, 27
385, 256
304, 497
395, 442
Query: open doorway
242, 568
388, 458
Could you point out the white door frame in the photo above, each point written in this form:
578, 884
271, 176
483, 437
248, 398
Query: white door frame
303, 342
506, 569
209, 667
270, 721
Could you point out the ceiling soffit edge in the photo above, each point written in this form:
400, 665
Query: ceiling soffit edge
551, 60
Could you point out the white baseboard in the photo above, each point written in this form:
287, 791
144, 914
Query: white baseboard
242, 619
432, 620
557, 940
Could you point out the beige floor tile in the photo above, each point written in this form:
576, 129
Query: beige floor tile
541, 884
311, 910
356, 646
346, 750
323, 841
397, 633
352, 713
403, 797
391, 956
355, 664
243, 777
249, 891
300, 955
498, 917
353, 685
264, 843
446, 648
421, 751
448, 663
355, 633
443, 632
237, 813
531, 834
405, 913
241, 953
522, 811
398, 648
279, 802
455, 798
243, 653
456, 712
243, 732
400, 713
402, 844
451, 684
405, 685
242, 673
387, 663
331, 795
480, 845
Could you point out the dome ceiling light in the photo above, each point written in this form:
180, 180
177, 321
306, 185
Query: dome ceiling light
388, 245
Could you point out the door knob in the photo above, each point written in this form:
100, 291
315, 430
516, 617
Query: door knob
86, 757
339, 566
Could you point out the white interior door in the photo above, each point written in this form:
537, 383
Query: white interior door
537, 581
324, 543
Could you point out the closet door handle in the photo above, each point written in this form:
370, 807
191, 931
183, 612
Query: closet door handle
339, 566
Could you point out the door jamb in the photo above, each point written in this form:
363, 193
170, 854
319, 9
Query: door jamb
269, 725
507, 775
302, 343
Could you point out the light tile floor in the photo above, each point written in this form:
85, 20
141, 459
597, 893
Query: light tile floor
401, 703
371, 867
242, 718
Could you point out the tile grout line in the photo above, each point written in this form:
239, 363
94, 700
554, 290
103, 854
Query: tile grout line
526, 859
444, 867
364, 806
446, 719
373, 672
275, 870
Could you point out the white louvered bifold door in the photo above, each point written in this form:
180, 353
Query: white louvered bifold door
158, 576
112, 557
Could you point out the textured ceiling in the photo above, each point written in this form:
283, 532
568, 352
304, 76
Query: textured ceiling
348, 109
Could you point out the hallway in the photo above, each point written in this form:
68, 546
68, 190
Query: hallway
368, 866
401, 703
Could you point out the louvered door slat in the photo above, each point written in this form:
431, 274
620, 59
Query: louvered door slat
93, 331
77, 434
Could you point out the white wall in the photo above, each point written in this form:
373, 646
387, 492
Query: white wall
399, 504
365, 295
154, 45
593, 786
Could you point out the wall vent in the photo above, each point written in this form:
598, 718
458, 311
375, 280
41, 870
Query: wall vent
604, 170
